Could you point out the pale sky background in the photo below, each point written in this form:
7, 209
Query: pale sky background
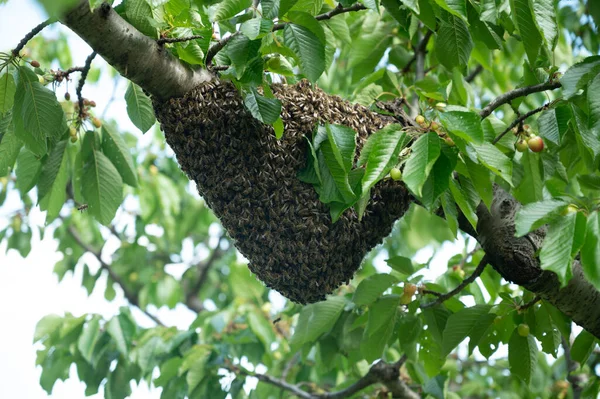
28, 288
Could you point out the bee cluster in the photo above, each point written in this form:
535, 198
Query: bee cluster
248, 178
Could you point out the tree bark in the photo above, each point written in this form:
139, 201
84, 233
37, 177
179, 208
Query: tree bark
142, 60
136, 56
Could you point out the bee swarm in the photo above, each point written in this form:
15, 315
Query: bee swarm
248, 178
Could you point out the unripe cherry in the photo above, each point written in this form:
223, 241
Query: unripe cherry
97, 122
395, 174
523, 330
420, 119
35, 64
521, 145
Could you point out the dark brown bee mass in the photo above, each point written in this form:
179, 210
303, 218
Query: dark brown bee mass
248, 178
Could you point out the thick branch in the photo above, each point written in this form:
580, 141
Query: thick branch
381, 372
136, 56
131, 297
520, 92
515, 258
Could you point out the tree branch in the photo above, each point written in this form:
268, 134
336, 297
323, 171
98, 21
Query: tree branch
471, 76
170, 40
571, 366
444, 297
340, 9
519, 120
31, 35
137, 57
380, 372
516, 93
203, 268
516, 259
82, 78
131, 297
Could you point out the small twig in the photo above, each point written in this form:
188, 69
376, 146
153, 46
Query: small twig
327, 15
471, 77
520, 92
218, 47
169, 40
30, 35
419, 49
203, 268
571, 366
444, 297
59, 75
84, 73
131, 297
519, 120
529, 304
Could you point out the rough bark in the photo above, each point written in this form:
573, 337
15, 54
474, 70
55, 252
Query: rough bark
143, 61
515, 258
136, 56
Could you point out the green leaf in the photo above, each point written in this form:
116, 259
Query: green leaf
495, 160
555, 254
531, 186
316, 319
462, 202
28, 171
536, 214
122, 329
266, 110
522, 356
465, 323
139, 14
194, 363
372, 287
261, 327
308, 48
454, 7
439, 178
309, 22
593, 98
453, 44
102, 187
582, 347
52, 192
256, 28
114, 147
8, 89
88, 338
522, 14
553, 124
425, 151
380, 154
578, 76
480, 176
139, 108
47, 326
338, 152
9, 151
401, 264
590, 252
545, 17
466, 125
380, 327
37, 114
